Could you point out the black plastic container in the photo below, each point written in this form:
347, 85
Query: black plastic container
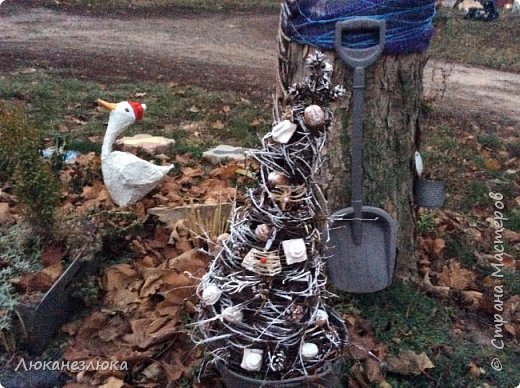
329, 376
429, 194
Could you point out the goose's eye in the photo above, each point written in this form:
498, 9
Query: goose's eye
127, 110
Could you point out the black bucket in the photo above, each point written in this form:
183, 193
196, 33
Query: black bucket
429, 194
329, 376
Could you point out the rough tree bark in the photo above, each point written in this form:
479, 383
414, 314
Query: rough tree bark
391, 135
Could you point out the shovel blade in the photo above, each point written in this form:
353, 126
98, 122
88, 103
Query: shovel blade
366, 267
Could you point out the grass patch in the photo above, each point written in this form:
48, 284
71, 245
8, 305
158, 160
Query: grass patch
65, 108
493, 44
405, 318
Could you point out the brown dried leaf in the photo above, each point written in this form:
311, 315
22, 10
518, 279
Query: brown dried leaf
217, 125
454, 276
52, 253
373, 371
54, 271
474, 370
409, 363
29, 282
112, 382
438, 245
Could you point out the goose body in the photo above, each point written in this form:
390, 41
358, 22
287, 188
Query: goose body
126, 177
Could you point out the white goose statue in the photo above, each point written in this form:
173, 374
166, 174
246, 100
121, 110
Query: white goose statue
127, 177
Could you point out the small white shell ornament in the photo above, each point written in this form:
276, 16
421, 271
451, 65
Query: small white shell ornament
233, 314
211, 294
282, 132
309, 351
314, 116
295, 250
277, 179
321, 316
252, 359
262, 232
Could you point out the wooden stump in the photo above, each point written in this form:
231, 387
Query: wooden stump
391, 136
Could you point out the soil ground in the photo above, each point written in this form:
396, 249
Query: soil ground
233, 51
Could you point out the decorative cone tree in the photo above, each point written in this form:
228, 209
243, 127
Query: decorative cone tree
262, 312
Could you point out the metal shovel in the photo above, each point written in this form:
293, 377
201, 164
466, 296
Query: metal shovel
362, 239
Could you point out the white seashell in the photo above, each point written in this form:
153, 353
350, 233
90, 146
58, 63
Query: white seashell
321, 315
283, 131
314, 116
295, 251
277, 179
252, 359
262, 232
233, 314
211, 294
309, 351
418, 163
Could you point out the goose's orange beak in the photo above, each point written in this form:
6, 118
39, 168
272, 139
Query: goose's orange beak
108, 105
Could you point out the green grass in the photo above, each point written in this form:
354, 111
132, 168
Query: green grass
405, 318
66, 108
493, 44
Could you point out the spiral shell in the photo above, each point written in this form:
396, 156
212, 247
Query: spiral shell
211, 294
252, 359
309, 351
314, 116
262, 232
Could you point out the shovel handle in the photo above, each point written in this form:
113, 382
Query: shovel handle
360, 57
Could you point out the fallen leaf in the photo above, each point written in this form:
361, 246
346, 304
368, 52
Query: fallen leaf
52, 253
373, 371
492, 164
438, 245
226, 109
218, 125
112, 382
454, 276
474, 370
53, 271
409, 363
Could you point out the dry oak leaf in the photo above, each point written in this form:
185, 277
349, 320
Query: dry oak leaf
409, 363
112, 382
118, 277
438, 245
53, 271
373, 371
454, 276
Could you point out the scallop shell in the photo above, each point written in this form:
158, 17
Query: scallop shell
309, 350
314, 116
252, 359
211, 294
295, 250
283, 131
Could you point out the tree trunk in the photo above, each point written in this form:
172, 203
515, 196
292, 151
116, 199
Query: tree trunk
391, 136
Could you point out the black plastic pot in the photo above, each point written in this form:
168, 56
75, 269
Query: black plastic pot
429, 194
329, 376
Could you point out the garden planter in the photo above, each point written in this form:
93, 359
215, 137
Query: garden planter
41, 321
429, 194
329, 376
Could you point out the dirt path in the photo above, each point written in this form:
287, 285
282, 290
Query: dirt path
229, 51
